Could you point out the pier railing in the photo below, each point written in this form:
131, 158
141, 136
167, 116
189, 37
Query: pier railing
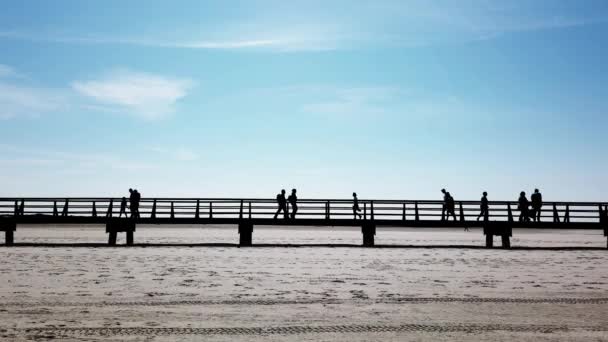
329, 209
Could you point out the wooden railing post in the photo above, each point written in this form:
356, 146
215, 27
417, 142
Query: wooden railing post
65, 208
210, 210
327, 210
416, 214
153, 213
94, 209
198, 208
555, 213
250, 210
461, 213
241, 211
372, 209
365, 211
110, 208
55, 213
22, 208
509, 212
567, 214
403, 217
172, 211
16, 209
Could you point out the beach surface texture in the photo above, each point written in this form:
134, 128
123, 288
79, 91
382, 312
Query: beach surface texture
55, 284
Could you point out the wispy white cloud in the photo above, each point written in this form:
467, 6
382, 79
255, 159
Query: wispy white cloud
314, 25
145, 95
7, 71
22, 101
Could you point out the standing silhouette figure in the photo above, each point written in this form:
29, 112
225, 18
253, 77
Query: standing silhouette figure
537, 204
523, 204
450, 206
293, 201
356, 208
123, 207
444, 207
282, 202
135, 204
132, 205
483, 207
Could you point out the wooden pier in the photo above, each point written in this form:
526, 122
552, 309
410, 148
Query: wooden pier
500, 220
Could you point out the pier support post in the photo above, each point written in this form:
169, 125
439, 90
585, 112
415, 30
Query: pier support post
245, 234
506, 241
369, 231
503, 229
489, 240
116, 226
112, 238
9, 228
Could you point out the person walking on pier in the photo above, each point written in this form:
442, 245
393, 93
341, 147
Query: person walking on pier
483, 206
282, 202
132, 204
356, 208
134, 199
523, 206
450, 206
293, 199
445, 204
123, 207
537, 204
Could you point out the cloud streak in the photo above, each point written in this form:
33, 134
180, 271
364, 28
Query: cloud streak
145, 95
315, 26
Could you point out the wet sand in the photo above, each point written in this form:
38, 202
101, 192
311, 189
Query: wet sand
303, 294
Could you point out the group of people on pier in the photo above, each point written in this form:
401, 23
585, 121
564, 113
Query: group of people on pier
282, 202
448, 209
134, 199
525, 213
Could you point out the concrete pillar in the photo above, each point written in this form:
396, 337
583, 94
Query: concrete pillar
489, 240
506, 241
130, 238
369, 231
9, 237
112, 238
245, 234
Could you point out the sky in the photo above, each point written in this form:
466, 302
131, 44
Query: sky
392, 99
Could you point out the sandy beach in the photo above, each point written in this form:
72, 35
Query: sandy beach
181, 293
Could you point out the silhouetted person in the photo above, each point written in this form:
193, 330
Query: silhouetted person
445, 204
483, 207
449, 203
293, 200
523, 204
537, 204
132, 205
282, 202
123, 207
134, 201
356, 208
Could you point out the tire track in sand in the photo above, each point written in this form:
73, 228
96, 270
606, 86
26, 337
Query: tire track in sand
305, 329
402, 300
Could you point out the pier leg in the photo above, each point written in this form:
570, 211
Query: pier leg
112, 238
369, 231
130, 238
9, 238
506, 241
489, 240
245, 234
9, 229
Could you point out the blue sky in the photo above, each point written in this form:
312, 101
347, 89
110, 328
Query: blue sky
392, 99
